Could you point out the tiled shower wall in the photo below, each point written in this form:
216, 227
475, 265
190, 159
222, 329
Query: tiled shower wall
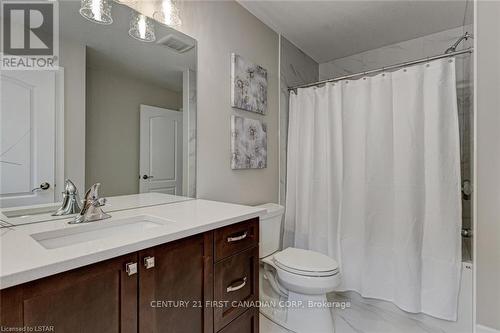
418, 48
296, 68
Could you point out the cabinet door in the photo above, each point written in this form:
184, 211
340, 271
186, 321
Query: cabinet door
97, 298
176, 279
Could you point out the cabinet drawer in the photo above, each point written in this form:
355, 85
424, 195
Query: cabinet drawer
236, 285
248, 322
235, 238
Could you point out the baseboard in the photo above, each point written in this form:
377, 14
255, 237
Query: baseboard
485, 329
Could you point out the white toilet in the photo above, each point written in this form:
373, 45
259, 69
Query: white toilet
294, 282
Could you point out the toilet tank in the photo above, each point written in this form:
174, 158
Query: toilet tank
270, 229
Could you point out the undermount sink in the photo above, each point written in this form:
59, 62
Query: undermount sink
97, 230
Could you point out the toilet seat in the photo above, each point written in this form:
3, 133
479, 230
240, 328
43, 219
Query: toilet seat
305, 263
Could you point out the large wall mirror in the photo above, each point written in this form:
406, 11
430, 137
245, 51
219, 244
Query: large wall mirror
120, 111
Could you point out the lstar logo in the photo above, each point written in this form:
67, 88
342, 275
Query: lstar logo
29, 34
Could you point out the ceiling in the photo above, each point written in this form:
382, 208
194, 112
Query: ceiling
109, 47
328, 30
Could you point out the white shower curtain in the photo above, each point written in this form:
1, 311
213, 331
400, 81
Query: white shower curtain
373, 180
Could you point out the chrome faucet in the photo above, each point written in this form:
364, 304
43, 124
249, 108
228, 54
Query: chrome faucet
92, 204
71, 200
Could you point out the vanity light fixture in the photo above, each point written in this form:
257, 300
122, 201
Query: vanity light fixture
97, 11
169, 13
142, 28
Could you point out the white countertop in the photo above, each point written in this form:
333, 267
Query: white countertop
23, 259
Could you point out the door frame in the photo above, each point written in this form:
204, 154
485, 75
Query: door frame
59, 137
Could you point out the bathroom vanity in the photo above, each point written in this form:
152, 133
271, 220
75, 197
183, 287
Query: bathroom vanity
189, 266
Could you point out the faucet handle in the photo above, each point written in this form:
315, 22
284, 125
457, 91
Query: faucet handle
92, 210
71, 200
69, 187
93, 192
100, 202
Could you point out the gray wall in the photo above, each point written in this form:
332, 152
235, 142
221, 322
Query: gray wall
488, 165
222, 27
112, 128
296, 68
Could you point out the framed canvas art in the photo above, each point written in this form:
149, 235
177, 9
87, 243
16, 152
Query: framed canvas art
248, 85
248, 143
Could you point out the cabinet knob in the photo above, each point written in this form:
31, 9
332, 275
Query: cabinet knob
131, 268
149, 262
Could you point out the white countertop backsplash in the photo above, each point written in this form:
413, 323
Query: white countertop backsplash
23, 259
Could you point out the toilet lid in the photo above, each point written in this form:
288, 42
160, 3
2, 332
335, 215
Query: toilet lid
306, 262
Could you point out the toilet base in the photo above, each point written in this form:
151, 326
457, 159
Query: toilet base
307, 311
297, 312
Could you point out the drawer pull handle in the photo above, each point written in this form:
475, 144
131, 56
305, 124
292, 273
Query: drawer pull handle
237, 238
131, 268
238, 287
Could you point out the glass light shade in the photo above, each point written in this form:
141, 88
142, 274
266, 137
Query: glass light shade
169, 13
97, 11
142, 28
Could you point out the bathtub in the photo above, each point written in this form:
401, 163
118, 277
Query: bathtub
464, 324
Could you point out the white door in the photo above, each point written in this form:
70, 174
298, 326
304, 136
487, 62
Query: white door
27, 139
160, 150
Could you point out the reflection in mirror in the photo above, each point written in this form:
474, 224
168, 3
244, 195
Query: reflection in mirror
120, 111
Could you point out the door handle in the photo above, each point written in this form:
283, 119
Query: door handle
43, 186
146, 177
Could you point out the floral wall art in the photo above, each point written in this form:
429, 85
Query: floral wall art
248, 85
248, 143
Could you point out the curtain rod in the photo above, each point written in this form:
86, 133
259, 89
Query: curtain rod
404, 64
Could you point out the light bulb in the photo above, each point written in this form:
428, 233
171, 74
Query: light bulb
142, 28
97, 11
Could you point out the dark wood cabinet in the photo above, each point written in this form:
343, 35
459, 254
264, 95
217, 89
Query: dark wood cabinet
175, 287
97, 298
236, 285
235, 238
167, 288
248, 322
